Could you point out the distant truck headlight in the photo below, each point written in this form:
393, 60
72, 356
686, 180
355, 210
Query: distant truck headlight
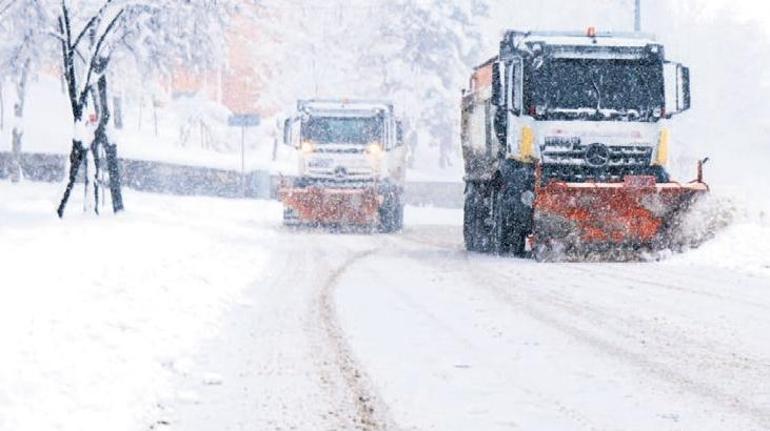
374, 149
374, 153
307, 147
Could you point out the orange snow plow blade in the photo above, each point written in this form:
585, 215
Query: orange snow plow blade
634, 213
315, 205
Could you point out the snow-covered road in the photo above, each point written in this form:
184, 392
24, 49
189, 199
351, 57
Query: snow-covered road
425, 336
485, 343
309, 330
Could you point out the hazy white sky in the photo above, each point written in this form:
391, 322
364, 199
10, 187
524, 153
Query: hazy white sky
745, 9
617, 15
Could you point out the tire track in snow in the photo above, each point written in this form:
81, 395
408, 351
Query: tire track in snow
708, 352
371, 413
554, 309
599, 317
537, 306
643, 279
574, 415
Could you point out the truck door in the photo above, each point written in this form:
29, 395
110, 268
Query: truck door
513, 102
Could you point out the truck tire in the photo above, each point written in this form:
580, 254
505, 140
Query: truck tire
506, 233
512, 211
290, 217
477, 226
473, 225
399, 217
470, 218
391, 213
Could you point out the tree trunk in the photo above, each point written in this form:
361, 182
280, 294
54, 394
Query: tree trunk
18, 129
155, 114
2, 107
117, 103
77, 154
110, 149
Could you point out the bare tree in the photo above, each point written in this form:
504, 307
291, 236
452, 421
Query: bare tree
154, 34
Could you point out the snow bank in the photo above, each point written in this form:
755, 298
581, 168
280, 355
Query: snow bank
742, 247
95, 313
741, 233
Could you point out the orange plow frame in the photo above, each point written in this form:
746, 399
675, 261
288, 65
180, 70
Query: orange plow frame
317, 205
635, 212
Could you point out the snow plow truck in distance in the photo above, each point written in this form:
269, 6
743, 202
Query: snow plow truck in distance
352, 165
566, 144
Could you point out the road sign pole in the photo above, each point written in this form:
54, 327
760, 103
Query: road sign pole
638, 16
243, 161
243, 121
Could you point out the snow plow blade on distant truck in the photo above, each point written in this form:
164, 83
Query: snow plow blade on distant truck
565, 144
351, 165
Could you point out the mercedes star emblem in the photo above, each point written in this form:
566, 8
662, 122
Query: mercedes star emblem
340, 172
597, 155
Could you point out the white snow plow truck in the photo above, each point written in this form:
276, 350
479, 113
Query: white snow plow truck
566, 144
352, 165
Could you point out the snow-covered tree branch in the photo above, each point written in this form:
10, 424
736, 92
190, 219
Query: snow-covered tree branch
154, 34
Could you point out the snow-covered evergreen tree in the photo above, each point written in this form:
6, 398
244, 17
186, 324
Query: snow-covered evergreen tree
22, 49
420, 55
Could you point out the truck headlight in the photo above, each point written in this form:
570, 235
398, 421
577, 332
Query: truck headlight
374, 153
307, 147
375, 150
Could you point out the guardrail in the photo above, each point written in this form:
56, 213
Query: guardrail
184, 180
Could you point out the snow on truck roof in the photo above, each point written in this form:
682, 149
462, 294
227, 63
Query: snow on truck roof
588, 38
344, 105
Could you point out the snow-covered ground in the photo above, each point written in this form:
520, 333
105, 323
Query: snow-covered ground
197, 313
97, 312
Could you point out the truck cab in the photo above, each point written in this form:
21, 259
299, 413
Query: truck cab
588, 107
582, 112
351, 164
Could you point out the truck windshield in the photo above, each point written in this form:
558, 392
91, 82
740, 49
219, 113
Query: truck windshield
341, 130
598, 90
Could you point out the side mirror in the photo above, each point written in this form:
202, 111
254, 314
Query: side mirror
684, 84
287, 132
399, 134
290, 132
514, 81
677, 85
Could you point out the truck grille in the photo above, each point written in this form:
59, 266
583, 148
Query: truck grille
570, 160
342, 174
337, 150
575, 154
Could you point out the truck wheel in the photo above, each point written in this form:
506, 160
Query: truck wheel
476, 213
501, 227
290, 217
469, 218
508, 234
391, 213
399, 225
485, 221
